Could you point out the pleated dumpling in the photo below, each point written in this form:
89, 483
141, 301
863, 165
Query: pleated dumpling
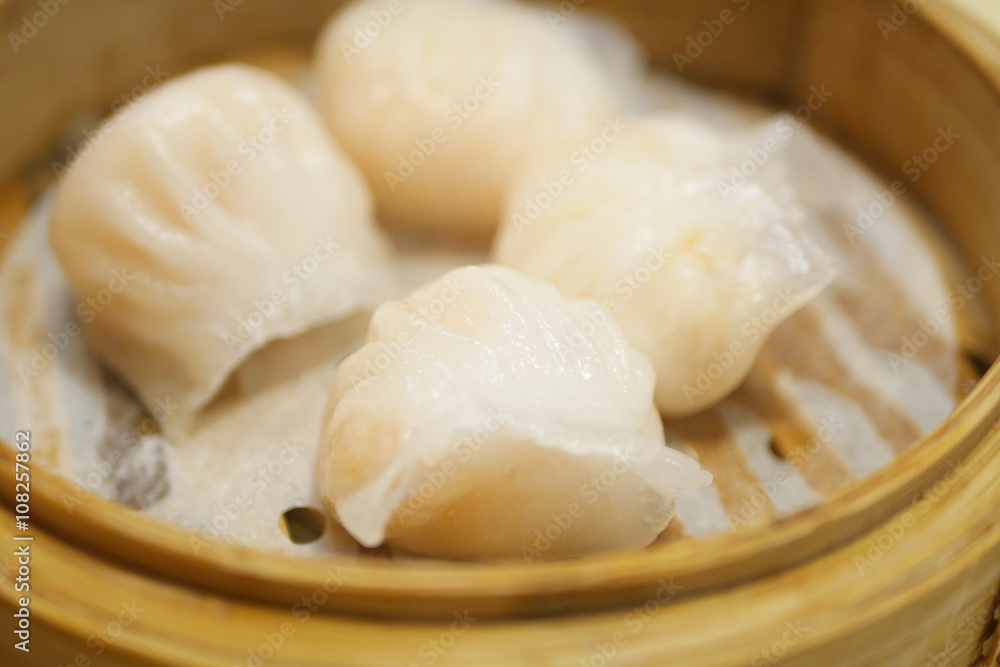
693, 240
211, 216
441, 102
487, 416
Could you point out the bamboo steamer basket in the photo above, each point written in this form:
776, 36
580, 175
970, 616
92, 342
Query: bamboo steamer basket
901, 568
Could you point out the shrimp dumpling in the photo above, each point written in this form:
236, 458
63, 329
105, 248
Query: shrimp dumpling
697, 250
487, 416
214, 215
441, 102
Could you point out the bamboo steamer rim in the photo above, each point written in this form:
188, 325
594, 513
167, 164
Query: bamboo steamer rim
400, 587
514, 588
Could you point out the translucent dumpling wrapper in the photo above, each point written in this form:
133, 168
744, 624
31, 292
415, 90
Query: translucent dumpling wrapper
693, 240
440, 102
209, 217
487, 416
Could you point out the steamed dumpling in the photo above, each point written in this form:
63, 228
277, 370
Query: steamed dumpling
698, 249
211, 216
441, 102
487, 416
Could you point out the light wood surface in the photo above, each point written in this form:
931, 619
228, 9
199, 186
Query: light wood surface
892, 570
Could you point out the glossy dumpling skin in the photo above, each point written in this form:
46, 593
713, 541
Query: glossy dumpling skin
696, 265
214, 215
484, 409
451, 97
